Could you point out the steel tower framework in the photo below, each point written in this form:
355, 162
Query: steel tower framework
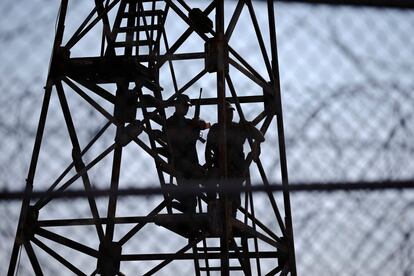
134, 50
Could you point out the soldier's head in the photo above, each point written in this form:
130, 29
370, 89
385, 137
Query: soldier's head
182, 104
229, 112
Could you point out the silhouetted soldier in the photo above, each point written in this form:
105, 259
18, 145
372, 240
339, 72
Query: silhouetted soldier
236, 134
182, 134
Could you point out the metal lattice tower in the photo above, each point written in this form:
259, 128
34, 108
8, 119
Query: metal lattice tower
134, 51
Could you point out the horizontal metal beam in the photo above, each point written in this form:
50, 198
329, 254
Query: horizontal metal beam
90, 221
206, 101
274, 187
399, 4
117, 220
191, 256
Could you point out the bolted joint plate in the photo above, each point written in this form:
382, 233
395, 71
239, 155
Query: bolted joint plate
109, 258
60, 57
271, 100
30, 224
200, 20
217, 55
283, 257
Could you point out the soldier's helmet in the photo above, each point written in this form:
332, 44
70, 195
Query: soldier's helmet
183, 99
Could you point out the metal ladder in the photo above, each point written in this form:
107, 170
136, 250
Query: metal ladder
203, 249
143, 26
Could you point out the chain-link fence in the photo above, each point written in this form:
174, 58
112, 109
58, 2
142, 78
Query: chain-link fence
346, 76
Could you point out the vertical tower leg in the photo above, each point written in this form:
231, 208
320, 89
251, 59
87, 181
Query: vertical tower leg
116, 166
29, 184
281, 138
221, 96
109, 260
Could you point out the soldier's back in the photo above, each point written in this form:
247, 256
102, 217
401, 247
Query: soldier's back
182, 142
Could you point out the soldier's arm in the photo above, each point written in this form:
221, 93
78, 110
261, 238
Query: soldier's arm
252, 132
200, 124
208, 153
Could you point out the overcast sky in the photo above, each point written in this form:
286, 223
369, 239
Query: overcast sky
347, 85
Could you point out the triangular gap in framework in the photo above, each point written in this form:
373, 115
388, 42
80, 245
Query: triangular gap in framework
193, 44
265, 214
269, 264
55, 146
80, 88
143, 237
23, 265
271, 164
245, 87
185, 71
141, 206
167, 79
76, 13
112, 14
245, 43
88, 46
174, 28
82, 95
259, 8
158, 239
193, 77
105, 103
231, 10
81, 261
87, 120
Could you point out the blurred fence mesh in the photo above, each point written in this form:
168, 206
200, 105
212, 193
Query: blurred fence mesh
347, 88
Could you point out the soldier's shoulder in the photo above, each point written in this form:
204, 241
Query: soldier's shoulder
236, 126
170, 119
214, 127
174, 122
188, 120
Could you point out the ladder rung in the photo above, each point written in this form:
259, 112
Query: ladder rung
144, 13
219, 268
138, 28
122, 44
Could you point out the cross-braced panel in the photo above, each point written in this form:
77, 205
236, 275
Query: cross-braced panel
122, 79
